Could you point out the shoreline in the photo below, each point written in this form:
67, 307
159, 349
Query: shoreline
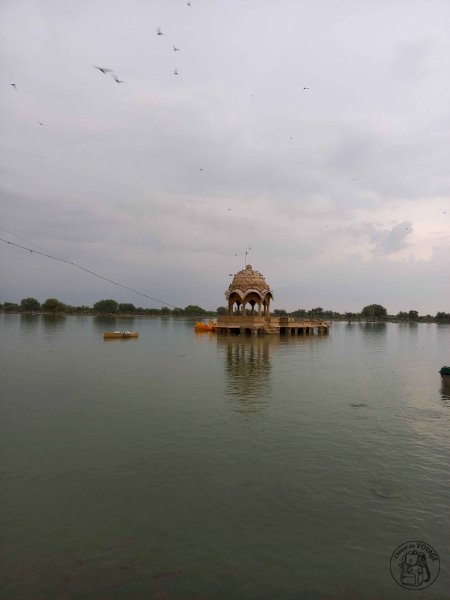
208, 316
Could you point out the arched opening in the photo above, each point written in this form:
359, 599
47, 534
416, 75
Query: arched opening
266, 305
253, 298
235, 304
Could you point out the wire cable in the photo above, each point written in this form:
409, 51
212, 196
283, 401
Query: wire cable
69, 262
22, 239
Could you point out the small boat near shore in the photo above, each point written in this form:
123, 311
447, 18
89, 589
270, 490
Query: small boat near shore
120, 335
199, 326
445, 374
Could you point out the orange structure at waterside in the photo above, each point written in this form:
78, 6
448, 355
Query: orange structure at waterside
200, 327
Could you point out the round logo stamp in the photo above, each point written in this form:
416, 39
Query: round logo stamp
415, 565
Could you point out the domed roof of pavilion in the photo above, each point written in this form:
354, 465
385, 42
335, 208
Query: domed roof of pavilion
247, 281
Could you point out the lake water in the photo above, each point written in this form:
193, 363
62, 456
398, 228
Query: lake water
184, 466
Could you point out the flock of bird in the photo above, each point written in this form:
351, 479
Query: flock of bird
110, 72
106, 71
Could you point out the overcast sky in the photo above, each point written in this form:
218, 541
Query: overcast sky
315, 133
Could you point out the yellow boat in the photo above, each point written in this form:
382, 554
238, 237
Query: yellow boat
211, 326
120, 335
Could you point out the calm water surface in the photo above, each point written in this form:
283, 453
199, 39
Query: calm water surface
194, 466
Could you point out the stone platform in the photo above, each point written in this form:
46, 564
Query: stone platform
256, 325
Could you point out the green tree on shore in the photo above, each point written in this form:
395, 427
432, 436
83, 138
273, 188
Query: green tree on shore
10, 307
299, 313
442, 316
402, 315
29, 304
193, 310
53, 305
374, 311
106, 306
350, 316
127, 308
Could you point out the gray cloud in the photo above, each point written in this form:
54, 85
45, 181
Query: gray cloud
383, 240
391, 240
113, 179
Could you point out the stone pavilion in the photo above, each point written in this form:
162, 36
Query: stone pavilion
248, 297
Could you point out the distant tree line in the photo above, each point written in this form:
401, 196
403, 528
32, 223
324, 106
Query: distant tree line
102, 307
372, 312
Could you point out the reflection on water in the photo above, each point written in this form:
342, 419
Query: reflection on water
112, 323
372, 329
28, 319
247, 366
28, 323
445, 395
50, 322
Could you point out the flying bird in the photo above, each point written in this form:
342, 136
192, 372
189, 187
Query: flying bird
175, 49
175, 72
117, 80
159, 32
201, 169
104, 70
188, 3
306, 88
40, 123
14, 86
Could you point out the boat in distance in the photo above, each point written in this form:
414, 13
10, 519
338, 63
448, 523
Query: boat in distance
199, 326
120, 335
445, 374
